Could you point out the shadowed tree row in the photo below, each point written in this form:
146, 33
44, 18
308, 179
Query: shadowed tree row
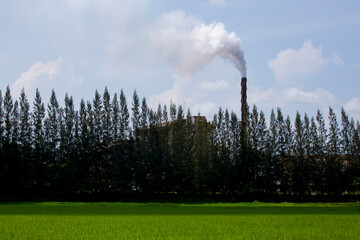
109, 146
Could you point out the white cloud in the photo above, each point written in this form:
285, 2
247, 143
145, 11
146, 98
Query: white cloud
217, 2
305, 61
215, 86
58, 74
208, 96
337, 60
291, 100
205, 97
353, 108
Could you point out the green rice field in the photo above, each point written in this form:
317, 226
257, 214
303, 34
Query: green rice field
66, 220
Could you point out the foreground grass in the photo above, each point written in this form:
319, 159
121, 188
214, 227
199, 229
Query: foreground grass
179, 221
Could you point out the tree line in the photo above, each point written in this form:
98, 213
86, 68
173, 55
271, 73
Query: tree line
109, 147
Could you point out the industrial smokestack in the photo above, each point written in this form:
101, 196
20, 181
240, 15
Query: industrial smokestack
243, 103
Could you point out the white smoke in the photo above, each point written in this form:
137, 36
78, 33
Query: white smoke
189, 44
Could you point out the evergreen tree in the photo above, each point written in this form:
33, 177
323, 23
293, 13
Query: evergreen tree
333, 143
314, 139
273, 134
90, 125
97, 116
314, 153
355, 139
158, 117
307, 140
322, 150
37, 117
281, 133
1, 122
322, 132
263, 133
69, 120
165, 115
136, 157
125, 166
115, 119
124, 117
345, 141
172, 112
83, 122
332, 167
8, 109
68, 133
299, 165
84, 161
25, 123
254, 129
15, 130
289, 136
2, 163
28, 165
135, 119
53, 124
106, 118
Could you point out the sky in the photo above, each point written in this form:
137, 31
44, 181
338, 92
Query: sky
300, 55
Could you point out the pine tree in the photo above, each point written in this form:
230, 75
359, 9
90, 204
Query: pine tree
69, 120
307, 135
281, 133
53, 124
25, 122
322, 133
144, 114
1, 122
8, 109
355, 136
172, 111
332, 167
15, 130
159, 117
97, 116
124, 117
289, 136
273, 135
299, 163
345, 141
28, 166
84, 160
106, 118
299, 135
165, 115
125, 164
254, 129
115, 119
38, 116
84, 134
136, 154
135, 119
333, 143
314, 138
90, 125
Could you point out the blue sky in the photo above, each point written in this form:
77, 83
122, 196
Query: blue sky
301, 55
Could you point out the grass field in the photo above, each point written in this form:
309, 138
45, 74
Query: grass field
55, 220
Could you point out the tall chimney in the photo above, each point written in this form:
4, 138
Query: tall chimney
243, 103
243, 131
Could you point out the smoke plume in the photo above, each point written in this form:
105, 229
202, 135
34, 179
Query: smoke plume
189, 44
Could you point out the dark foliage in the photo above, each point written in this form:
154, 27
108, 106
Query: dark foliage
102, 149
